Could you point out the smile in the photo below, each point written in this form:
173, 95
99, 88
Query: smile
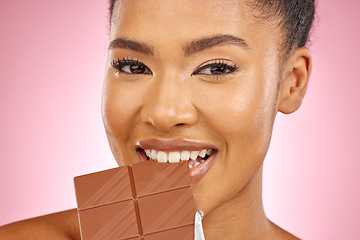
194, 158
199, 155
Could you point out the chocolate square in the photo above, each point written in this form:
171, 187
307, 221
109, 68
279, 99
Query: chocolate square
167, 210
102, 188
151, 177
115, 221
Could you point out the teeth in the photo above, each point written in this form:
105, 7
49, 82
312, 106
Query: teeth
148, 153
174, 157
153, 154
185, 155
194, 155
162, 156
202, 153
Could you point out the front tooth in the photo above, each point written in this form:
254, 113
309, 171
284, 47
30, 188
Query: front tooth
153, 154
194, 155
208, 152
197, 163
162, 156
174, 157
148, 153
202, 153
185, 155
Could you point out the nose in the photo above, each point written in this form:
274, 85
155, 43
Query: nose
168, 103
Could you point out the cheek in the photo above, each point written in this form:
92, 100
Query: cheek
240, 111
120, 107
117, 108
120, 103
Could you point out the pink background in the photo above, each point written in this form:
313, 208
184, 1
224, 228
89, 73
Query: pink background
52, 59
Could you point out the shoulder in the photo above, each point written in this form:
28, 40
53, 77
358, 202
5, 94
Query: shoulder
57, 226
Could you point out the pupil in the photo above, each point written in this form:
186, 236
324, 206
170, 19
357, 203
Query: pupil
137, 69
217, 70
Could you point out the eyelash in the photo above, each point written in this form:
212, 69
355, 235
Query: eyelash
119, 64
229, 68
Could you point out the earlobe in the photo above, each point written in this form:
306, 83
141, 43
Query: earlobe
294, 84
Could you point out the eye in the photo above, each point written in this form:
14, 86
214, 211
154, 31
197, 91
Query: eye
130, 66
216, 68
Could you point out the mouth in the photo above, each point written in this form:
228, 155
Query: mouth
199, 157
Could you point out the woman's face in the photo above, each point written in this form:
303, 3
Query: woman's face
183, 76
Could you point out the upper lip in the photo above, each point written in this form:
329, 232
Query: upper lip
174, 144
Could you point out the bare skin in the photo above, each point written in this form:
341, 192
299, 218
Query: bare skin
180, 93
57, 226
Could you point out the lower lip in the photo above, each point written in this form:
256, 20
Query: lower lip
196, 173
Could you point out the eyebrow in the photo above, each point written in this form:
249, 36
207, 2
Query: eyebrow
131, 45
190, 48
208, 42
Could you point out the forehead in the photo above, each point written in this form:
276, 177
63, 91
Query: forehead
181, 16
164, 22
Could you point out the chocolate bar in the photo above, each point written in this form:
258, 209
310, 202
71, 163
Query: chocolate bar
147, 200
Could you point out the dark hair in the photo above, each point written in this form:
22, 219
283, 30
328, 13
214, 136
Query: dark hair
295, 17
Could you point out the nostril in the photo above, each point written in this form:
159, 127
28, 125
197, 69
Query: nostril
180, 124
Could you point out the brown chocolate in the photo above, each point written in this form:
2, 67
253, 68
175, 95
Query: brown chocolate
102, 188
147, 200
115, 221
174, 234
152, 177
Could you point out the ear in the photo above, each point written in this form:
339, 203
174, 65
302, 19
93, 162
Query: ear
295, 81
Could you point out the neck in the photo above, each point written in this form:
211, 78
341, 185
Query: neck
242, 217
